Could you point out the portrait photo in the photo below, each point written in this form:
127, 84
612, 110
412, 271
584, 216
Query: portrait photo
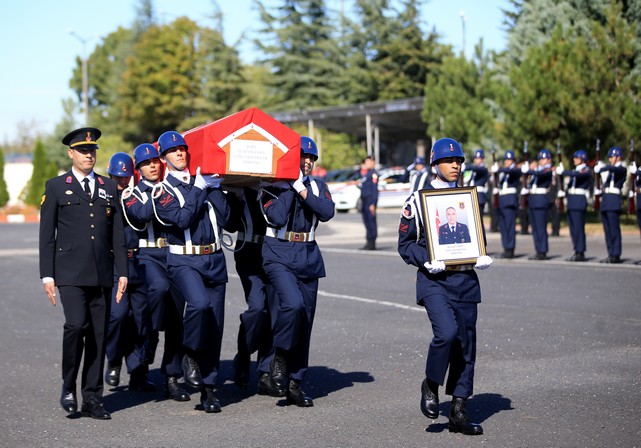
453, 225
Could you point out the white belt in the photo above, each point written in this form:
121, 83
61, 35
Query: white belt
538, 191
459, 267
295, 237
481, 189
509, 190
194, 250
158, 242
612, 190
258, 239
577, 191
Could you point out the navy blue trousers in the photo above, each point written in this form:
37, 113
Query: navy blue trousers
294, 306
612, 229
539, 221
371, 230
453, 345
507, 227
576, 222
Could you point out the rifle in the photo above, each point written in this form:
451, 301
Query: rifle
526, 156
559, 200
597, 178
631, 180
495, 176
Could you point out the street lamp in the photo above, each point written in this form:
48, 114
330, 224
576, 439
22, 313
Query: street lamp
463, 19
85, 80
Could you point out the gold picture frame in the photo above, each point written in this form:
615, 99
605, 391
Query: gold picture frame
460, 243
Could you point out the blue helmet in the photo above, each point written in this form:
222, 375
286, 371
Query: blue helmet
581, 154
144, 152
615, 151
479, 154
544, 154
444, 148
170, 139
419, 161
308, 146
509, 155
120, 165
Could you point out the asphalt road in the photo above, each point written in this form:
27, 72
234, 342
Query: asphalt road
558, 363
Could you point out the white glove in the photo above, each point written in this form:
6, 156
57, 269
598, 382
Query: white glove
495, 191
560, 194
200, 181
214, 180
525, 168
559, 169
632, 169
598, 167
483, 262
298, 183
495, 168
435, 266
524, 191
631, 194
462, 167
597, 192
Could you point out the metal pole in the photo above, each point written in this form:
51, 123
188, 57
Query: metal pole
85, 76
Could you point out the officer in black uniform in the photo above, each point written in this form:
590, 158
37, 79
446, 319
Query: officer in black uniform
611, 203
81, 239
196, 210
128, 327
577, 192
450, 296
164, 308
293, 263
540, 180
507, 189
479, 178
369, 199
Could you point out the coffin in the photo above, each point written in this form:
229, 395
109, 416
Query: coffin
245, 147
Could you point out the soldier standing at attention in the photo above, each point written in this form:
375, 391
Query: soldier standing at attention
419, 174
577, 201
81, 239
450, 297
293, 263
369, 199
479, 178
611, 203
539, 203
509, 181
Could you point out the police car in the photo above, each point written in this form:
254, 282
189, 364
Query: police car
393, 190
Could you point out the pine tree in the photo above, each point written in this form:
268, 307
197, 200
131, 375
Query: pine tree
41, 169
4, 193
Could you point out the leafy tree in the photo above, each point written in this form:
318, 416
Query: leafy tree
42, 170
4, 193
305, 60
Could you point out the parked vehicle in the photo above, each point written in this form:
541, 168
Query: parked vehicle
392, 191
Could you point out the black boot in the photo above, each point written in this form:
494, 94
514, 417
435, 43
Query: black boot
429, 399
174, 390
459, 421
138, 381
296, 396
191, 371
369, 245
241, 364
208, 400
578, 256
265, 385
278, 375
112, 375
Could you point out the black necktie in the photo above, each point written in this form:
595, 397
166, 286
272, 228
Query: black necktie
87, 189
453, 229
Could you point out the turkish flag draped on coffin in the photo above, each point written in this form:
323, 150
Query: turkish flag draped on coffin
243, 147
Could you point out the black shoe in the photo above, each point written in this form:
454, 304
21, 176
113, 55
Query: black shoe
191, 372
615, 259
538, 256
208, 401
265, 385
578, 256
296, 396
93, 408
138, 382
174, 390
241, 364
112, 375
459, 422
68, 400
429, 401
278, 376
508, 253
606, 260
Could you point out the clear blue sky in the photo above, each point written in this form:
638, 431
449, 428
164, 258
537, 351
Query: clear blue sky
38, 53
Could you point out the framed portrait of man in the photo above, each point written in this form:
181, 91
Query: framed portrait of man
452, 221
